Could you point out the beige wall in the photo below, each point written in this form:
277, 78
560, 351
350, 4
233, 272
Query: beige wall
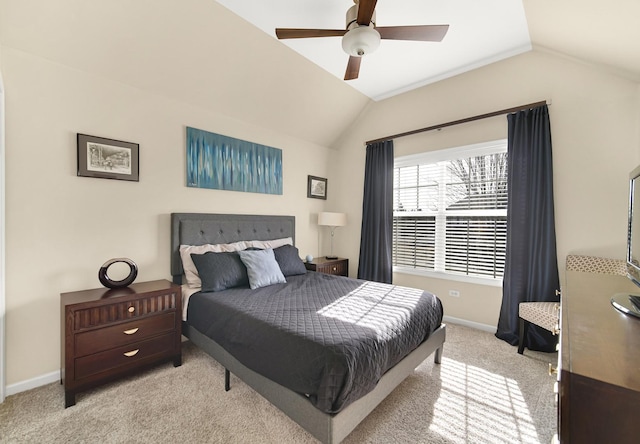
85, 67
60, 228
595, 125
193, 51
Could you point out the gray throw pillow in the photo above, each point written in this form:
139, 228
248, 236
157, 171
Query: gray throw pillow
289, 260
219, 271
262, 268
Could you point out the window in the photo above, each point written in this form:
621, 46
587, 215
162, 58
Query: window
450, 211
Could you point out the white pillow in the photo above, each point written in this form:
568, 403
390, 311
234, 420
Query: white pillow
190, 270
275, 243
262, 268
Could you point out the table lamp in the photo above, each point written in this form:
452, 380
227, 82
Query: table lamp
332, 220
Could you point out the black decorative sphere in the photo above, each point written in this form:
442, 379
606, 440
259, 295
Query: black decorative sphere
107, 282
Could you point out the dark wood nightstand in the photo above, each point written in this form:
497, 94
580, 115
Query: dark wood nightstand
108, 333
337, 266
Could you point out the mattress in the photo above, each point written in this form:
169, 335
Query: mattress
328, 337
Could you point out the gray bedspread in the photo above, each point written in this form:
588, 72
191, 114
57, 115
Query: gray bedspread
325, 336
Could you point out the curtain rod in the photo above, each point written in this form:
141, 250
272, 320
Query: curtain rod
457, 122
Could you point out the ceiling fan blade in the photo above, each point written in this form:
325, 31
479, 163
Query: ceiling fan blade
297, 33
353, 68
365, 11
425, 33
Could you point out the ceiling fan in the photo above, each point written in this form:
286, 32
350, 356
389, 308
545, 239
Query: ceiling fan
362, 36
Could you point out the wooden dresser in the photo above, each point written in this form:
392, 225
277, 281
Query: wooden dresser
337, 266
110, 333
599, 374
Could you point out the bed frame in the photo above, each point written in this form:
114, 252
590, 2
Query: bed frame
198, 229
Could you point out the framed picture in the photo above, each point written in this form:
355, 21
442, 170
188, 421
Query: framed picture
221, 162
316, 187
108, 158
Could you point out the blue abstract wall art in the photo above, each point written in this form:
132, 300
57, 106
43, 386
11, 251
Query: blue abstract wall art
225, 163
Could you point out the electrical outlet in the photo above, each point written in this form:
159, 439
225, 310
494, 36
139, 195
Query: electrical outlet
454, 293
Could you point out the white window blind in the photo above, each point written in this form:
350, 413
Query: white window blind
450, 211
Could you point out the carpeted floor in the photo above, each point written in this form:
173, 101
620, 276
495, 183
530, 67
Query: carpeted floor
483, 392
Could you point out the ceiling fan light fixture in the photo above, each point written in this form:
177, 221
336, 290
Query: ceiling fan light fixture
360, 41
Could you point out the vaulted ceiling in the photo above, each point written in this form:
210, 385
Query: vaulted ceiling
479, 33
198, 52
603, 33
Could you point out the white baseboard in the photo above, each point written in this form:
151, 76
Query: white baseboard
471, 324
29, 384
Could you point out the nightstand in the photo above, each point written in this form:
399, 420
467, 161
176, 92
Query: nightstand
337, 266
109, 333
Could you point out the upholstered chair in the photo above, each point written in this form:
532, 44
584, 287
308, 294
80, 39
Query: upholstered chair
547, 314
543, 314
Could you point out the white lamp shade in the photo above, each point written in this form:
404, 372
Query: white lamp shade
332, 219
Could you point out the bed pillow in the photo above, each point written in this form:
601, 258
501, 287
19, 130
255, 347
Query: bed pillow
262, 268
289, 260
190, 270
219, 271
273, 243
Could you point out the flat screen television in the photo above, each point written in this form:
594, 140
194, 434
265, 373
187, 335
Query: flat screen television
628, 303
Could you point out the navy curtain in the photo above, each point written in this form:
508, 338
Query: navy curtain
531, 265
376, 239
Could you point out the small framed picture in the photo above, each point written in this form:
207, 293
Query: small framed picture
108, 158
316, 187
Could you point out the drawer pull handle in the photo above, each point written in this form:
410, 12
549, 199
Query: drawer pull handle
132, 331
132, 309
132, 353
335, 268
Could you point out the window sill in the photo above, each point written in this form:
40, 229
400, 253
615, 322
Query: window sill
450, 276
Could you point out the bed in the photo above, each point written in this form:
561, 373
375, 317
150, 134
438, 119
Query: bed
330, 412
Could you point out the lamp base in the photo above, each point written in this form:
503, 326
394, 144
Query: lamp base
331, 257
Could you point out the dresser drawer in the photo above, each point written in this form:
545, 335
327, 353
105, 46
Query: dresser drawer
93, 341
125, 356
339, 268
122, 311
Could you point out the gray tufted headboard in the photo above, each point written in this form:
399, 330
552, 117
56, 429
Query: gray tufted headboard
205, 228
